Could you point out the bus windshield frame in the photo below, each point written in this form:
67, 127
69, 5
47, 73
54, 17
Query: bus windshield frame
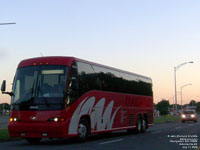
40, 87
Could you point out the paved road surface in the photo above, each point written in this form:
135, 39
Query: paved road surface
168, 136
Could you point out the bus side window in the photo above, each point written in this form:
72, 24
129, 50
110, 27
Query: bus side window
73, 85
87, 78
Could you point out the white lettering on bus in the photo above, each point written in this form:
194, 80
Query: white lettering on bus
99, 119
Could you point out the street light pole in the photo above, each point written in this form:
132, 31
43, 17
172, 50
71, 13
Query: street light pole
7, 23
175, 96
172, 102
182, 93
175, 69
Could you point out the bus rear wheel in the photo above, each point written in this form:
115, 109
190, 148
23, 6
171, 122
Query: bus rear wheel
83, 130
139, 125
144, 125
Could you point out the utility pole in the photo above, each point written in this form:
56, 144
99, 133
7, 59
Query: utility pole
175, 69
7, 23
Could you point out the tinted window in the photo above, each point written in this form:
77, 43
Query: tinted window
93, 77
72, 93
87, 78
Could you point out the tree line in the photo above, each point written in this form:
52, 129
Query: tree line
4, 106
164, 106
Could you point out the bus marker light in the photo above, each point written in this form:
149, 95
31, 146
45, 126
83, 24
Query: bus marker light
62, 119
11, 119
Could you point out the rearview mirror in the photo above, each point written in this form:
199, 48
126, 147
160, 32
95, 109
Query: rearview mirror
3, 86
3, 89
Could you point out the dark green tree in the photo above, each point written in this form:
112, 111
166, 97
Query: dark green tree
5, 105
192, 103
198, 107
163, 107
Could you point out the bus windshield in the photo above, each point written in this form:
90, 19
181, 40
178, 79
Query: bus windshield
40, 85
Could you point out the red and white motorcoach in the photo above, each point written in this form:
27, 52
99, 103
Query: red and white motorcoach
57, 97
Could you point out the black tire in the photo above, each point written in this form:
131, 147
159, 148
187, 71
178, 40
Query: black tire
183, 121
83, 130
195, 121
139, 125
144, 125
33, 140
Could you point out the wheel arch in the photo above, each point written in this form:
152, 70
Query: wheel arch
87, 118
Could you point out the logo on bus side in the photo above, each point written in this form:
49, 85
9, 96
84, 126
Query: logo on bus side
100, 119
33, 118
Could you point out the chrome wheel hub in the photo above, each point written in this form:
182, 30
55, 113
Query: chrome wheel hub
82, 131
139, 125
144, 124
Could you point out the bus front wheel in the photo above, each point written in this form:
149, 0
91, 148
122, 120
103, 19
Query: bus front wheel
83, 130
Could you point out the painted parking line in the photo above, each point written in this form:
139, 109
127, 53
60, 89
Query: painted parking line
111, 141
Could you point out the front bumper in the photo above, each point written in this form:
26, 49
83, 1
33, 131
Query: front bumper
189, 119
38, 130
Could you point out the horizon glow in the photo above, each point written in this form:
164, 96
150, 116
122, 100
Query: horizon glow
144, 37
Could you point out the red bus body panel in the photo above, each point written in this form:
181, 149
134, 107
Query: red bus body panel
107, 111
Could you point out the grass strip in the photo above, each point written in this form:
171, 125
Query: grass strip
165, 119
4, 136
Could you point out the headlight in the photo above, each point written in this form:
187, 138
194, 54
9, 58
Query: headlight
192, 115
183, 116
14, 119
56, 119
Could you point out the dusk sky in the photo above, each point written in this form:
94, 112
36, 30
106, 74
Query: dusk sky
148, 37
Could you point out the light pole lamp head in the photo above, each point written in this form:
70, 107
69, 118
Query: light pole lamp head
191, 62
185, 85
